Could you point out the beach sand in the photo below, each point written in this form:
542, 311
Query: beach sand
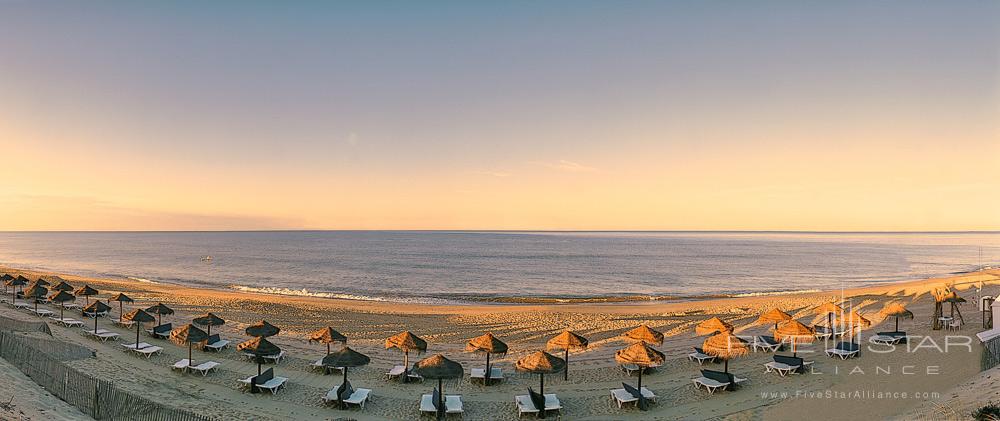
853, 384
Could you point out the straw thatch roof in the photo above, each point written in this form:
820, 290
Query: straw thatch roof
793, 330
19, 281
486, 343
827, 308
160, 309
97, 306
644, 333
35, 291
139, 316
262, 329
345, 357
896, 309
540, 362
640, 354
122, 298
711, 326
406, 341
85, 290
567, 340
327, 335
42, 282
63, 286
854, 319
259, 346
438, 367
208, 319
774, 315
725, 345
61, 297
6, 277
952, 297
188, 333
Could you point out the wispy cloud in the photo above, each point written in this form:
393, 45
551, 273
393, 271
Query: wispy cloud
564, 165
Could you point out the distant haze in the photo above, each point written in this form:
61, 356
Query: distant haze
848, 115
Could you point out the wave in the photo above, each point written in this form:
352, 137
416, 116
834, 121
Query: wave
143, 280
768, 293
342, 296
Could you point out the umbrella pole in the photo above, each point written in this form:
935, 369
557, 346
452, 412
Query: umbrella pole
726, 369
190, 360
406, 365
61, 307
487, 379
120, 309
137, 335
640, 377
258, 365
897, 324
95, 321
343, 387
566, 371
327, 348
440, 398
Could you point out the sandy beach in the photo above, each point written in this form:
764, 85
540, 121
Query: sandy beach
936, 384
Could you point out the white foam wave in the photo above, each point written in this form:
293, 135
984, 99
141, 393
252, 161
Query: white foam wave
789, 292
306, 293
143, 280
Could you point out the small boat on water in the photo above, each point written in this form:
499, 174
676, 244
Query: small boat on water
206, 258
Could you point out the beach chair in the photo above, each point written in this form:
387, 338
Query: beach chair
215, 343
205, 367
70, 306
766, 343
527, 405
148, 351
888, 338
268, 381
103, 335
68, 322
181, 365
844, 350
275, 358
700, 356
783, 365
132, 347
496, 373
42, 312
90, 314
452, 403
629, 394
326, 370
160, 331
124, 323
21, 305
713, 380
395, 372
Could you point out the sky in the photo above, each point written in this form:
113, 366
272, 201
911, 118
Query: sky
708, 115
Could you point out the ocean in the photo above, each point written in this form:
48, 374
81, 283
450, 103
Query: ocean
462, 267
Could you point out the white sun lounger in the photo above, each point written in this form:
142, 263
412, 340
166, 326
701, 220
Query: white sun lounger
699, 357
780, 368
842, 353
70, 306
496, 373
204, 368
68, 322
124, 323
397, 371
102, 334
42, 312
21, 304
710, 385
763, 345
274, 358
99, 314
632, 368
359, 397
621, 396
148, 351
319, 365
526, 406
886, 339
181, 365
130, 347
452, 404
272, 385
218, 346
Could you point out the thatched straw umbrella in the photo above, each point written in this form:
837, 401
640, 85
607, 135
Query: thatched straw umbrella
711, 326
160, 310
35, 292
42, 282
896, 310
775, 316
208, 319
644, 333
60, 298
19, 281
96, 307
85, 291
829, 310
953, 298
262, 329
566, 341
640, 354
795, 332
260, 347
540, 363
327, 336
63, 286
188, 334
406, 342
440, 368
139, 317
486, 344
6, 278
345, 358
121, 299
726, 346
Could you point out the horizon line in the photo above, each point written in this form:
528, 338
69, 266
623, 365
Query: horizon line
471, 231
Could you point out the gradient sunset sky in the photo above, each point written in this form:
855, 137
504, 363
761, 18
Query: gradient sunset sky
795, 115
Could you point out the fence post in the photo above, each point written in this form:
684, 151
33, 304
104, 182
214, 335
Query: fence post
96, 411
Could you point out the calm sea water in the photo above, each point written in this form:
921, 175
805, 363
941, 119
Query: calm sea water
474, 266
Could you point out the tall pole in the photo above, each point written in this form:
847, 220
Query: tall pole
487, 380
440, 407
640, 378
566, 371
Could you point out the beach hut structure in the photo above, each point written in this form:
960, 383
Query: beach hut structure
644, 333
60, 298
85, 291
953, 298
35, 292
259, 347
489, 345
19, 281
94, 308
440, 368
139, 317
566, 341
829, 310
540, 363
62, 286
344, 359
640, 354
209, 320
406, 342
712, 326
160, 310
188, 334
794, 332
726, 346
327, 336
121, 299
262, 329
774, 315
897, 310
